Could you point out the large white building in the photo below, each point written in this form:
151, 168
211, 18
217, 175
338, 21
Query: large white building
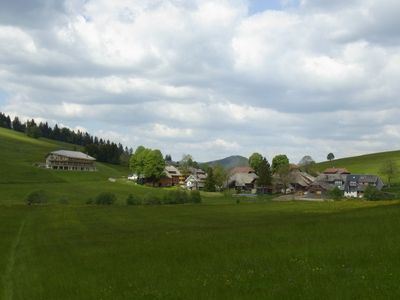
70, 161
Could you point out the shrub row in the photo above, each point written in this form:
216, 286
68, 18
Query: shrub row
172, 197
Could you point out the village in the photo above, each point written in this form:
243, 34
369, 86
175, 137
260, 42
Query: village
287, 179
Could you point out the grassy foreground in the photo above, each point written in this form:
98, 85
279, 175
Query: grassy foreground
257, 249
345, 250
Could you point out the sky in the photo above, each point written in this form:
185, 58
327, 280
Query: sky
209, 78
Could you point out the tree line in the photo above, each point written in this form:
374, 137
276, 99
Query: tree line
101, 149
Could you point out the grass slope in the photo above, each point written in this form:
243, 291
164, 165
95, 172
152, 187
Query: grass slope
364, 164
19, 176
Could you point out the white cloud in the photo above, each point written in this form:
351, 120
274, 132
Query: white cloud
207, 77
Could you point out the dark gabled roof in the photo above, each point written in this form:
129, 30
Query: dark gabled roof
72, 154
362, 181
241, 179
171, 171
362, 178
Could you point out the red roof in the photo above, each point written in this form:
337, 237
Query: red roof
336, 171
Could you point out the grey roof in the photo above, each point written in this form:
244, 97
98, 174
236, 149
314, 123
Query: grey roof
241, 179
362, 181
301, 178
73, 154
172, 171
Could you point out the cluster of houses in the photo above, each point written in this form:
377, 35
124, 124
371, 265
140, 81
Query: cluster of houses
241, 179
301, 183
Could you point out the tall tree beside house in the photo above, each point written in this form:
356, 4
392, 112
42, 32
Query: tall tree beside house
154, 165
137, 161
278, 162
185, 164
264, 174
283, 173
390, 169
255, 160
147, 163
209, 185
220, 177
168, 158
330, 156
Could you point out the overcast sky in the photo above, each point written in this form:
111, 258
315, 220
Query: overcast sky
209, 78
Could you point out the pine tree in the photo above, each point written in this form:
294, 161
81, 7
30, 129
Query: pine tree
209, 185
264, 174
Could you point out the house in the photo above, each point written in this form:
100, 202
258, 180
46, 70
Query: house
355, 185
172, 177
327, 182
297, 181
70, 161
242, 179
196, 180
300, 181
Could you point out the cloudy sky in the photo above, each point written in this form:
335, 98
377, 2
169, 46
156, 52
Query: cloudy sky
206, 77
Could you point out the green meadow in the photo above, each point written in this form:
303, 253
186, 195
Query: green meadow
220, 249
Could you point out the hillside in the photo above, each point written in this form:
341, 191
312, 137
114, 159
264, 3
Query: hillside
19, 175
367, 164
230, 162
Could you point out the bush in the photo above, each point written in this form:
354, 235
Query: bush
181, 197
373, 194
170, 198
37, 197
336, 194
133, 200
195, 197
151, 200
105, 198
176, 197
89, 201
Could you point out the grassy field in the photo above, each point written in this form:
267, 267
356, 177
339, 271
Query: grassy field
342, 250
364, 164
257, 249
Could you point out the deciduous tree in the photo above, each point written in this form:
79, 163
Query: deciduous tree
255, 160
390, 169
330, 156
279, 161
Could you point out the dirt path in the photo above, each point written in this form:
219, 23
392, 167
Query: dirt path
8, 289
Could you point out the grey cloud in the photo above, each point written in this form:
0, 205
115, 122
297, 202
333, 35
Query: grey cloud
300, 81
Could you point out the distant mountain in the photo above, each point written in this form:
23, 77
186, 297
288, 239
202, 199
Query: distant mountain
230, 162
